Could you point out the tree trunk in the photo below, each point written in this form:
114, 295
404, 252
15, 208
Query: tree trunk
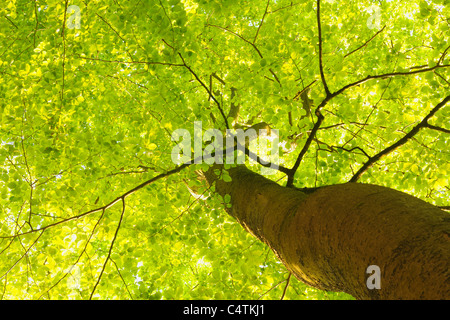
329, 238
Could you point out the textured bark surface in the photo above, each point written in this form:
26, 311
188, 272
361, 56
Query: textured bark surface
327, 239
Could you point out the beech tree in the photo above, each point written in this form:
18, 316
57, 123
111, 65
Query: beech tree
109, 189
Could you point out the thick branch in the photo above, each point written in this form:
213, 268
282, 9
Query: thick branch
333, 95
146, 183
402, 141
302, 153
386, 75
263, 163
108, 205
430, 126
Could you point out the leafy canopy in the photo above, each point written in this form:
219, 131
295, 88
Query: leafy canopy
87, 116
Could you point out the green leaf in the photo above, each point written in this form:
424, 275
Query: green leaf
87, 117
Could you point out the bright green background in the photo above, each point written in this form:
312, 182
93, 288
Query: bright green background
87, 115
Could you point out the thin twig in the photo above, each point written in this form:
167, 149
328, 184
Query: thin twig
110, 248
239, 36
123, 280
134, 62
37, 23
365, 44
386, 75
303, 90
305, 148
26, 252
110, 204
440, 76
262, 20
327, 91
286, 286
11, 22
79, 256
207, 90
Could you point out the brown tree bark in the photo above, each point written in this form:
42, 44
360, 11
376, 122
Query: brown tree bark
328, 238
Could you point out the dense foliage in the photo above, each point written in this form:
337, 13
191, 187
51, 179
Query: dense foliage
87, 115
